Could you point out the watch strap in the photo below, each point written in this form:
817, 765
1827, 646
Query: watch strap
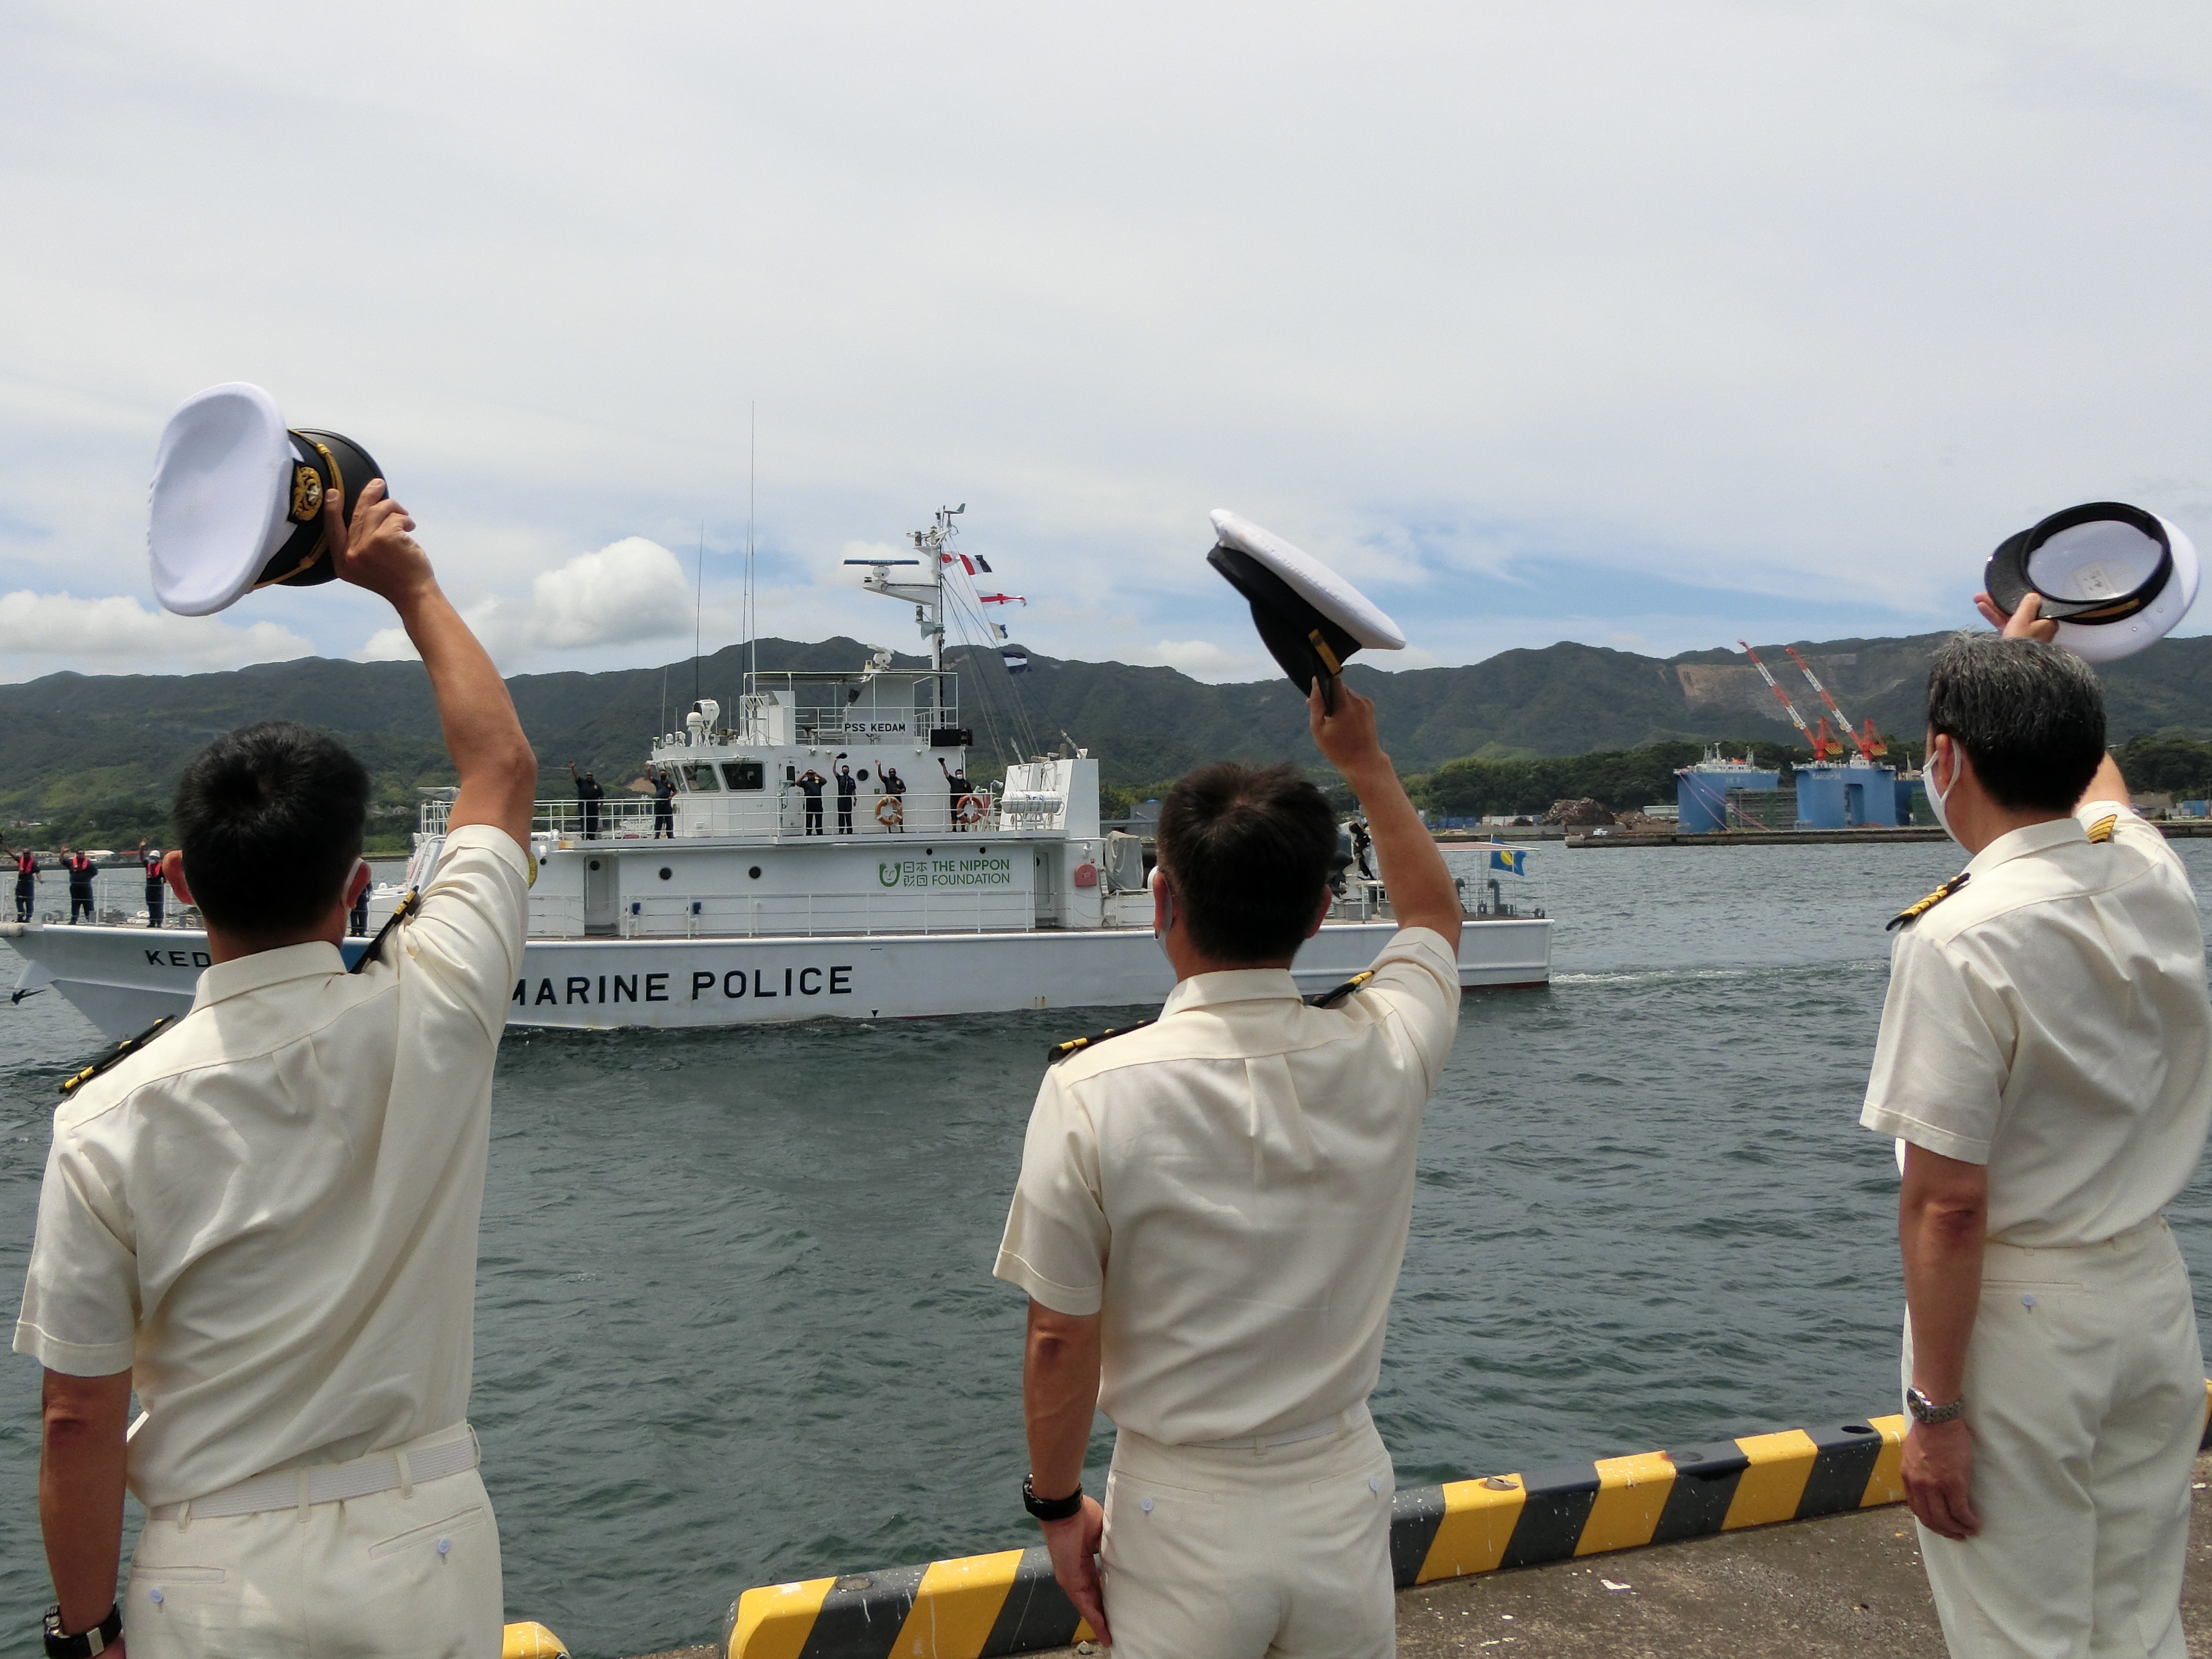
85, 1643
1925, 1410
1051, 1509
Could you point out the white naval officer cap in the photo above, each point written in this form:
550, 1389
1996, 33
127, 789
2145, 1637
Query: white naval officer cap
1310, 619
237, 500
2113, 577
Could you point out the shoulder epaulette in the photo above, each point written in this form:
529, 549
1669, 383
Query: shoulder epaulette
400, 912
2102, 828
1330, 999
1059, 1051
1920, 907
115, 1056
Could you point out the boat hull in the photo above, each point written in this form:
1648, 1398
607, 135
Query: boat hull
123, 979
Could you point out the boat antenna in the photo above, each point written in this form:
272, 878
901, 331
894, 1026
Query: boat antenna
698, 612
751, 619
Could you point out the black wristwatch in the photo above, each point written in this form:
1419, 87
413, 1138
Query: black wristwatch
1046, 1509
82, 1645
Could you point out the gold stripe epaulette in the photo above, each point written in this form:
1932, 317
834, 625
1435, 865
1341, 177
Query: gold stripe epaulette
1059, 1051
121, 1051
1920, 907
1330, 999
374, 953
2102, 828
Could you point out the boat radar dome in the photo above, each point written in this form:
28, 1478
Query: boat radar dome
1310, 618
2113, 577
237, 502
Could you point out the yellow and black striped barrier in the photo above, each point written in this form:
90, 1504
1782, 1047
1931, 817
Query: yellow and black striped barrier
982, 1605
978, 1606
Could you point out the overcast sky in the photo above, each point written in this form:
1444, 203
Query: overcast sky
1642, 325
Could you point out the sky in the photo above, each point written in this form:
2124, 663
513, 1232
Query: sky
1647, 326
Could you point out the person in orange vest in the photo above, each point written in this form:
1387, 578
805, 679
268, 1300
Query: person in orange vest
157, 891
80, 884
27, 884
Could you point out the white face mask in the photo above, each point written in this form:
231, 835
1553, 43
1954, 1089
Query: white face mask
1936, 796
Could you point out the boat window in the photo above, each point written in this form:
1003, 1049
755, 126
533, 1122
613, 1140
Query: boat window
743, 775
700, 776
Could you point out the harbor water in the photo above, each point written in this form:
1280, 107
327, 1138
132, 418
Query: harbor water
735, 1317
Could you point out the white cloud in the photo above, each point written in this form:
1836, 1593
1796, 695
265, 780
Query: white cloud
42, 632
1202, 659
628, 593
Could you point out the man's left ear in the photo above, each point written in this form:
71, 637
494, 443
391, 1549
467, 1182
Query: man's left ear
358, 882
1321, 915
172, 872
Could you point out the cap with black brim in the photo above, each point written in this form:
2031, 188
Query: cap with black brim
2115, 578
1310, 619
237, 500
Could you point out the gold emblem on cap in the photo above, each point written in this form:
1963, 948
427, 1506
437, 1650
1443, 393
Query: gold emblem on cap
306, 492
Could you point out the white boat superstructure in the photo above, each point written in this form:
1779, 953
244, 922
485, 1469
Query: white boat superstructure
824, 854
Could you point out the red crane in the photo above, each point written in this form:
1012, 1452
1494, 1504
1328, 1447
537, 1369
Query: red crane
1871, 743
1822, 743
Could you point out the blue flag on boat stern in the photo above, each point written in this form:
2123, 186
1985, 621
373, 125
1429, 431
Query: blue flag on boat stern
1504, 858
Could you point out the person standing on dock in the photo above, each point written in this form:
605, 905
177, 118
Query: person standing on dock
79, 869
848, 788
27, 884
262, 1214
1209, 1222
157, 891
589, 792
2046, 1066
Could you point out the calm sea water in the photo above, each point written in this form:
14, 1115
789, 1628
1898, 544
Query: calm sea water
735, 1317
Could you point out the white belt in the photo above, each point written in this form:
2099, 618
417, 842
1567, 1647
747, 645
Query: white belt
328, 1483
1350, 1417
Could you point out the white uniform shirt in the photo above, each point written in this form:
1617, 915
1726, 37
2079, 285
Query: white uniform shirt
269, 1215
1231, 1188
2049, 1020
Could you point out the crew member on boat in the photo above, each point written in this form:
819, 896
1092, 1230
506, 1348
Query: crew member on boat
848, 788
664, 804
80, 868
263, 1215
955, 793
811, 784
1209, 1222
2044, 1065
157, 890
27, 882
589, 792
894, 786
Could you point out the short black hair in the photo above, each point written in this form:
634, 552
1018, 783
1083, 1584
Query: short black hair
2030, 716
269, 820
1248, 851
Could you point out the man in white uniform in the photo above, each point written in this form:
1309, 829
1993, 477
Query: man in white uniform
263, 1217
2045, 1064
1209, 1223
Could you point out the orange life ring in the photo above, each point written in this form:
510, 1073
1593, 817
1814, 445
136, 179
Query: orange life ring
891, 812
970, 808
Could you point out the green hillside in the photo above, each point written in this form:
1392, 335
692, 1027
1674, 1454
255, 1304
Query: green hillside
94, 757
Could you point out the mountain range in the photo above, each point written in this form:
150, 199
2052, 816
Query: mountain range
108, 745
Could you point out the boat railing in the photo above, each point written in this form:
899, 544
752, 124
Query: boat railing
787, 815
783, 915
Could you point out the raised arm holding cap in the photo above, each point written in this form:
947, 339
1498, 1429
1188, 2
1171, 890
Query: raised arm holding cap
263, 1215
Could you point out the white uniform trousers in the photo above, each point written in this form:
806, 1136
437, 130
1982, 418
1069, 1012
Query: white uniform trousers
1215, 1554
2085, 1398
358, 1579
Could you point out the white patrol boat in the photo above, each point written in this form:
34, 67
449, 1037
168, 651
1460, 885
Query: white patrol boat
822, 856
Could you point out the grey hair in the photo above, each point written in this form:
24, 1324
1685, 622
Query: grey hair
2030, 716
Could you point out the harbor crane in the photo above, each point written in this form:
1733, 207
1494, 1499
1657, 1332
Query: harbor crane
1869, 744
1821, 742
